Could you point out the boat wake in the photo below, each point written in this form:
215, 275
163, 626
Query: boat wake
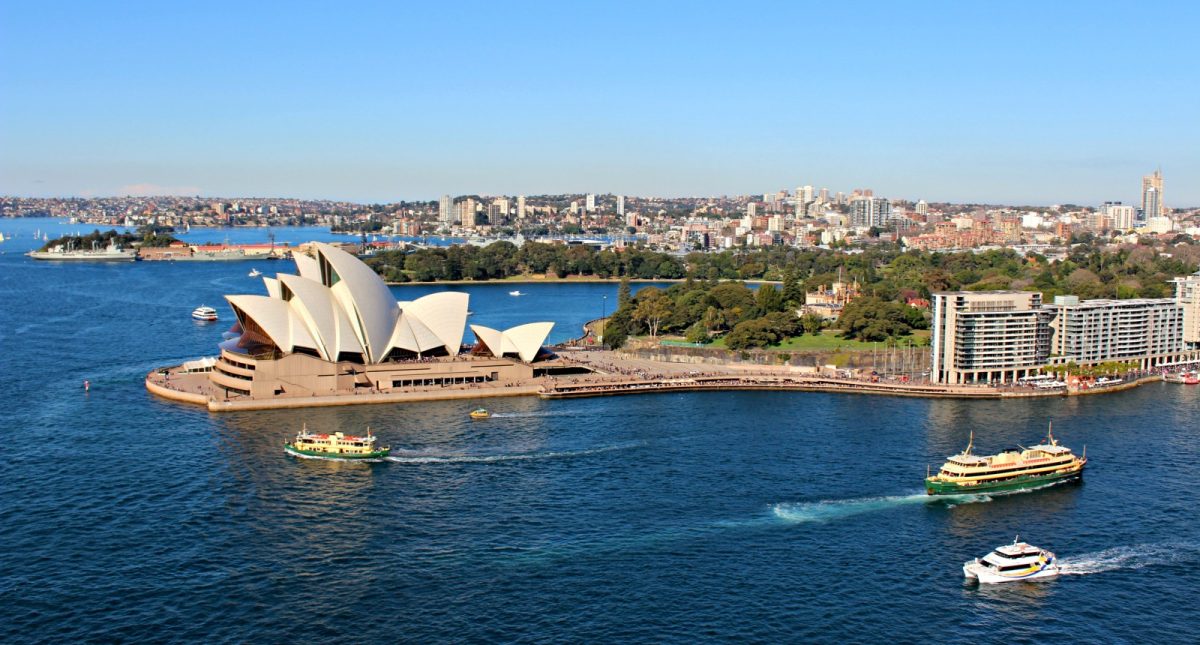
835, 509
1129, 558
424, 458
338, 459
532, 415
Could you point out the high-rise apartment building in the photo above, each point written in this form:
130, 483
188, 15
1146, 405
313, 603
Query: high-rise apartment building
445, 212
590, 202
922, 208
1152, 201
824, 199
521, 206
620, 204
870, 211
502, 205
808, 194
988, 336
1151, 204
466, 212
751, 209
1119, 216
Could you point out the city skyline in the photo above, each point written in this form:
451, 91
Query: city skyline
1004, 105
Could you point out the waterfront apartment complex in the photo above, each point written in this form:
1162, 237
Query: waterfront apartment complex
1001, 336
1091, 332
1187, 294
988, 336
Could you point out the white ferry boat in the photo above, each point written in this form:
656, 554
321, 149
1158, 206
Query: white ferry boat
515, 293
1012, 563
207, 314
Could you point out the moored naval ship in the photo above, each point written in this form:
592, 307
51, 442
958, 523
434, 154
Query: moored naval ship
1015, 469
110, 253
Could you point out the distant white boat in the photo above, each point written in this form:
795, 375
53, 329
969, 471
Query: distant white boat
254, 273
515, 293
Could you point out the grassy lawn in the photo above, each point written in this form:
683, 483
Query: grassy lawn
831, 340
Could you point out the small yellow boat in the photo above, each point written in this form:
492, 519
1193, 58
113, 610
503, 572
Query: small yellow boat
480, 413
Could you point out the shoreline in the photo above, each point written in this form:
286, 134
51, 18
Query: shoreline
567, 280
777, 382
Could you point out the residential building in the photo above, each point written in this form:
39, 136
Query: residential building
620, 205
590, 202
1187, 295
445, 211
870, 211
521, 207
1089, 332
988, 336
1152, 188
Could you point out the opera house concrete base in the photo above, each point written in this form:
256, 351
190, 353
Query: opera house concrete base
237, 382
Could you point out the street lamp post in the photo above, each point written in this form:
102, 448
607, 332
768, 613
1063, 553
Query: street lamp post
603, 313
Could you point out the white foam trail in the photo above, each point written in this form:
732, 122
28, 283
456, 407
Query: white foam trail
532, 415
836, 509
487, 459
317, 457
1129, 557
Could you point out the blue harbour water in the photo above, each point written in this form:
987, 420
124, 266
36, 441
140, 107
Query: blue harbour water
748, 516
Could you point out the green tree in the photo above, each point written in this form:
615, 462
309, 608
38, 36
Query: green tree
768, 299
697, 333
651, 309
624, 292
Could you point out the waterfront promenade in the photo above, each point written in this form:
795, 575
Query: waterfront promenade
606, 373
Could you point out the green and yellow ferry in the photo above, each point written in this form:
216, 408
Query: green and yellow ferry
1011, 470
334, 446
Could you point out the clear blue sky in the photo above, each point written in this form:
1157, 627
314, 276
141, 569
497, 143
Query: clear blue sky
1039, 102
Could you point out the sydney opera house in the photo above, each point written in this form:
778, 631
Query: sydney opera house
337, 329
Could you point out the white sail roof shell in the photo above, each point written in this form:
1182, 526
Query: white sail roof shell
444, 313
277, 319
273, 289
367, 300
326, 319
523, 340
306, 266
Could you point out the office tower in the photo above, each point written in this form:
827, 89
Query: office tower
444, 211
521, 206
1152, 201
591, 202
922, 208
620, 204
